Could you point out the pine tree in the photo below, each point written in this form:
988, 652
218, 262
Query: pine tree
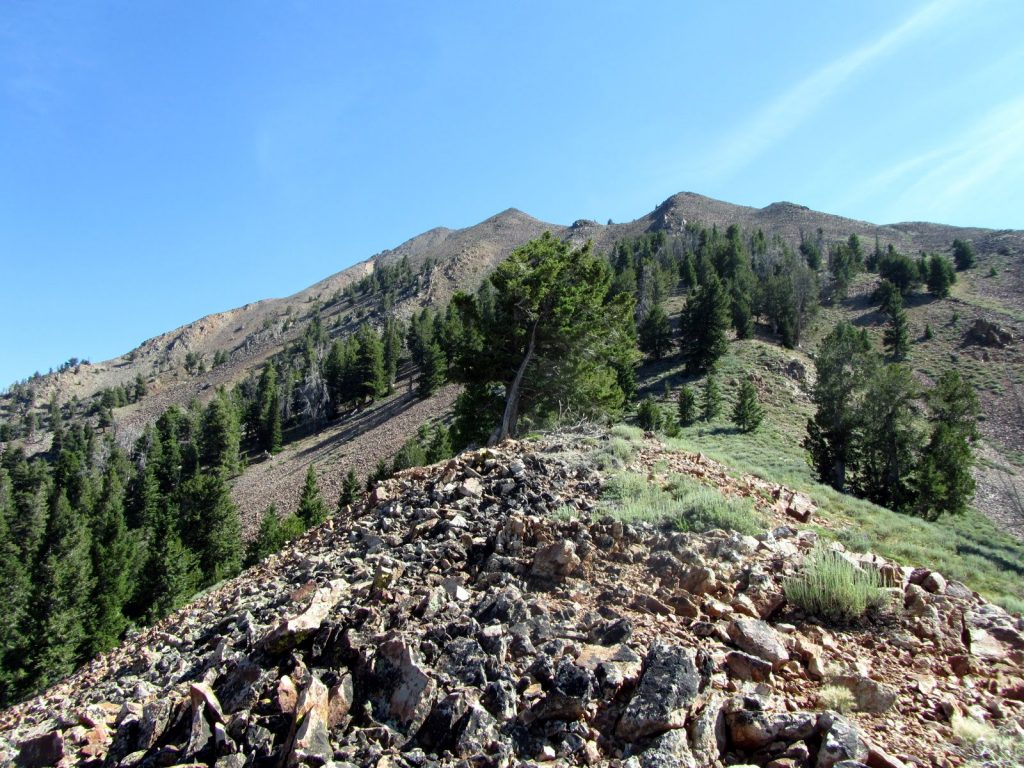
963, 254
381, 472
269, 539
171, 574
221, 435
477, 410
711, 398
210, 527
648, 414
268, 406
886, 438
943, 481
747, 414
433, 370
554, 320
941, 276
656, 333
844, 361
350, 490
688, 271
64, 583
312, 509
369, 370
897, 336
440, 446
707, 323
139, 390
15, 594
411, 454
886, 294
687, 405
392, 340
113, 561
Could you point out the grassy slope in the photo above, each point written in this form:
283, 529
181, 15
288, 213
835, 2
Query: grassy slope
970, 549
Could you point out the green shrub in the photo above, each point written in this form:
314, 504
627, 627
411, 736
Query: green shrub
620, 449
837, 698
700, 508
832, 587
631, 497
985, 746
1011, 603
649, 415
854, 539
627, 432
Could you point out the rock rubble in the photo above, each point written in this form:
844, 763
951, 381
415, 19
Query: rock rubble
454, 619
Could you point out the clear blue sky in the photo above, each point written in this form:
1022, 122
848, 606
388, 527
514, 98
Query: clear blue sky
163, 160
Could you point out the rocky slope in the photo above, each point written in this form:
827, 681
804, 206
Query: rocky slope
488, 612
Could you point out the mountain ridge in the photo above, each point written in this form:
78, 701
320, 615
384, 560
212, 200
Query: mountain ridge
496, 235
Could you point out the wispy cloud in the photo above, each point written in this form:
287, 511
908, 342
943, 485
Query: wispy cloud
777, 119
937, 182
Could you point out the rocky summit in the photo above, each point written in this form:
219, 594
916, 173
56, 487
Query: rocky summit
489, 611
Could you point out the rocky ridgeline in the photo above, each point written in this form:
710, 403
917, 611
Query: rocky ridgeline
461, 617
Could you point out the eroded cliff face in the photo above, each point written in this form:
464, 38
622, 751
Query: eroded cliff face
487, 612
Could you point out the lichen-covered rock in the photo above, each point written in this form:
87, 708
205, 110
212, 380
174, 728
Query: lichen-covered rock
668, 686
669, 750
751, 729
841, 741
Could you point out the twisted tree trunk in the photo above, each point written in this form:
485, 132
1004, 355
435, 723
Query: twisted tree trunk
511, 415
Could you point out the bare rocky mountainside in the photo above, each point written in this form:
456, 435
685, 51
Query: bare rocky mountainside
493, 610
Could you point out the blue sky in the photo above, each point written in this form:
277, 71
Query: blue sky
163, 160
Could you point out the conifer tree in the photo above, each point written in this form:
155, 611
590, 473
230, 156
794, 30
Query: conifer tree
221, 435
844, 361
139, 390
747, 414
707, 323
273, 534
113, 560
553, 320
711, 398
943, 480
897, 336
941, 276
688, 271
268, 406
15, 593
687, 405
656, 333
210, 527
350, 490
392, 340
440, 446
370, 373
963, 254
411, 454
312, 509
381, 472
886, 438
172, 571
61, 607
886, 294
433, 370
